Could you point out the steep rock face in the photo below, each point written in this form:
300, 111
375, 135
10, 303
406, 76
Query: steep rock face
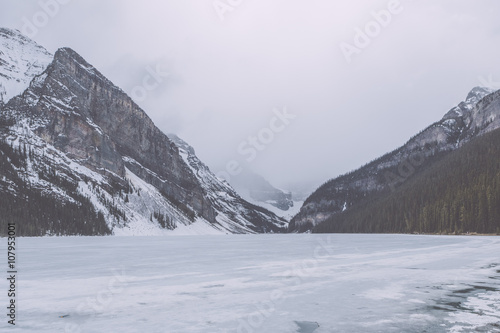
484, 117
96, 123
478, 114
228, 204
74, 138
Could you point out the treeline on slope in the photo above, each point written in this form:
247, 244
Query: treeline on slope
37, 214
164, 220
328, 190
460, 193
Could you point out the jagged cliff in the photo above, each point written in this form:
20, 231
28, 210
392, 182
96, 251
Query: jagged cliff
72, 113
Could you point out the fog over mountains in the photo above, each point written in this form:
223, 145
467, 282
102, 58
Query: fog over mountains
79, 156
74, 138
370, 188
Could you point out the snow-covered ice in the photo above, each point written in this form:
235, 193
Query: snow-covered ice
258, 283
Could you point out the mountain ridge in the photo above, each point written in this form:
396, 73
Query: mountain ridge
458, 194
84, 122
477, 115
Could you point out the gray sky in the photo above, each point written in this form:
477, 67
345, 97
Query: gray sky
228, 69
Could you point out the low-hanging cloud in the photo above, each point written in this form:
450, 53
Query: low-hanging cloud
226, 76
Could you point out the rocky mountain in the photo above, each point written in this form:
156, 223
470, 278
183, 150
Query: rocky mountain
258, 189
477, 115
226, 200
459, 193
81, 140
255, 188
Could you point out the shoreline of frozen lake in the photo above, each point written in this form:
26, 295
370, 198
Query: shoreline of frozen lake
258, 283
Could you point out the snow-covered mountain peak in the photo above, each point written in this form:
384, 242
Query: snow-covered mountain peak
21, 59
477, 115
477, 94
137, 180
463, 109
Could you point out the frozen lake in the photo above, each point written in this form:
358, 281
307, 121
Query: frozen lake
258, 283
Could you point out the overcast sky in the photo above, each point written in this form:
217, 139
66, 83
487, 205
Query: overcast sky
222, 70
